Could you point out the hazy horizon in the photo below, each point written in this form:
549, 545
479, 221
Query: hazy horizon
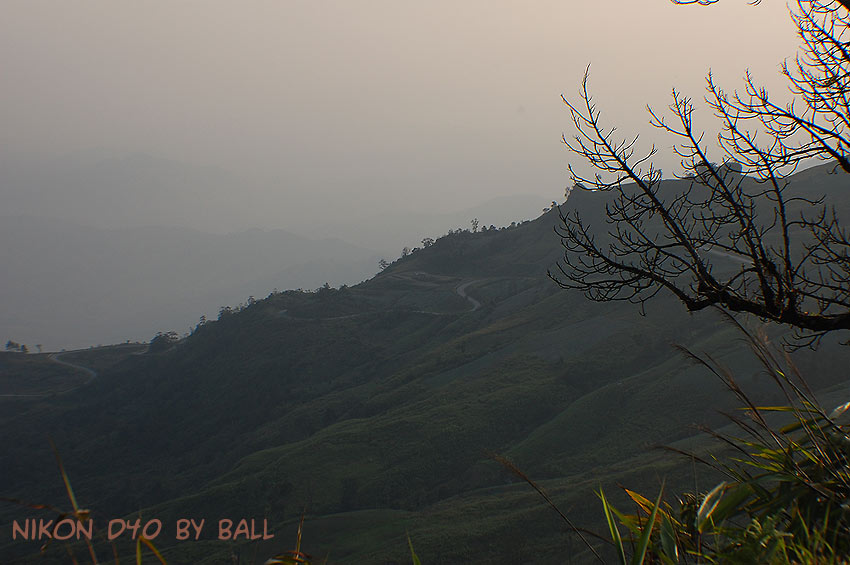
377, 123
297, 115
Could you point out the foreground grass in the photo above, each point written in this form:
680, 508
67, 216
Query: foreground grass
784, 496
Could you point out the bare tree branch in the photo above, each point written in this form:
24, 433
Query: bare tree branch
792, 253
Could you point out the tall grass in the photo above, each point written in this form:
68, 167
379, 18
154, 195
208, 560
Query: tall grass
786, 493
785, 497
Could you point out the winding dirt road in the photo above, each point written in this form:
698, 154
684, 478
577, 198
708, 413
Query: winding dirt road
55, 358
461, 291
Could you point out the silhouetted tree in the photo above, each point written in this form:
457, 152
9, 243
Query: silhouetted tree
383, 264
163, 341
324, 291
792, 252
427, 242
474, 223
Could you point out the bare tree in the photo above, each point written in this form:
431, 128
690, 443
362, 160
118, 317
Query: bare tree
790, 253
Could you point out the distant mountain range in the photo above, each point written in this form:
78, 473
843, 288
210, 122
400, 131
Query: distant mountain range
139, 189
81, 264
376, 408
67, 286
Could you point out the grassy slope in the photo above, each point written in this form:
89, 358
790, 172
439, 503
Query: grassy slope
35, 374
375, 407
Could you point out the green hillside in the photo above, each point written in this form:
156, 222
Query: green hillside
376, 407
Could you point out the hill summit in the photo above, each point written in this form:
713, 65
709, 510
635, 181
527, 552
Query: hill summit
376, 408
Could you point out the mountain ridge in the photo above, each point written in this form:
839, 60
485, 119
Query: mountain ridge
376, 405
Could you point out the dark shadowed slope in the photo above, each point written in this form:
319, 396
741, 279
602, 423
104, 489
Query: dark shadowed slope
375, 406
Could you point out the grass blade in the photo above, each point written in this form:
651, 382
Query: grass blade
668, 540
709, 503
612, 527
143, 540
643, 543
81, 515
413, 555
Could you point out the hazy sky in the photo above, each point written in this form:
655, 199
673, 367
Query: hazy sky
307, 112
359, 120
